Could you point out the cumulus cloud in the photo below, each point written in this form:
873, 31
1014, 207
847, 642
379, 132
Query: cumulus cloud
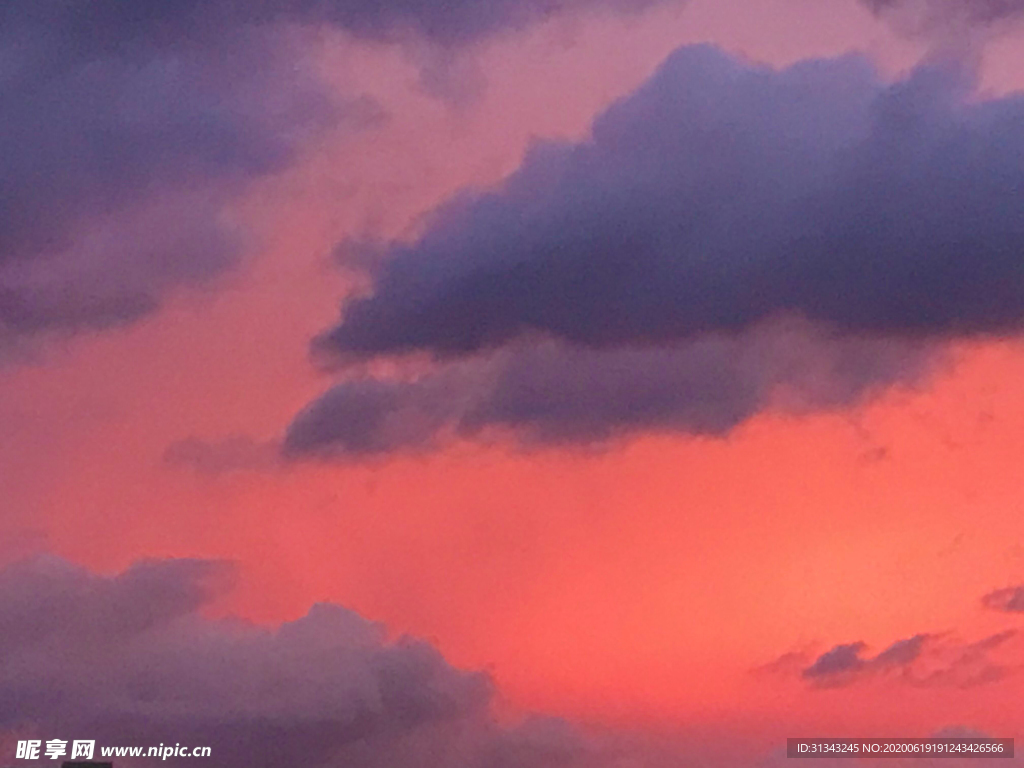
921, 660
729, 237
129, 127
716, 196
124, 139
637, 280
131, 659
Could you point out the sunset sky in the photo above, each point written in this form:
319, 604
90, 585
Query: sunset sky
510, 383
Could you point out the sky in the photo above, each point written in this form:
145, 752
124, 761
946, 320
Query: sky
510, 383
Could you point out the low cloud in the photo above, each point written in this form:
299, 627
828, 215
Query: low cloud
720, 195
841, 660
728, 235
133, 659
928, 15
922, 660
132, 654
130, 127
127, 133
1008, 600
558, 394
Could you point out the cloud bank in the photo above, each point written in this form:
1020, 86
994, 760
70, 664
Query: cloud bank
131, 659
726, 233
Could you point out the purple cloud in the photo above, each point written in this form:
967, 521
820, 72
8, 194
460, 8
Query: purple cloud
557, 394
130, 659
128, 127
720, 195
931, 13
841, 660
921, 660
124, 139
635, 281
1009, 600
110, 27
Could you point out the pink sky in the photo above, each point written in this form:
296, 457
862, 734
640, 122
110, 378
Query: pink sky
635, 585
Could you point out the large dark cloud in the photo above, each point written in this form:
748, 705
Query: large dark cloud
128, 126
122, 141
719, 195
131, 660
638, 280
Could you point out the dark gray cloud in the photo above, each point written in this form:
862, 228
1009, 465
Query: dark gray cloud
901, 652
718, 195
921, 660
131, 660
365, 417
106, 27
554, 393
840, 660
731, 239
41, 599
120, 152
843, 663
1010, 600
131, 655
925, 14
128, 126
